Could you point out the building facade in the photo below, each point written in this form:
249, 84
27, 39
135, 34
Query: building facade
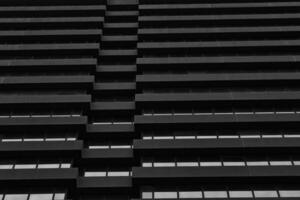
149, 99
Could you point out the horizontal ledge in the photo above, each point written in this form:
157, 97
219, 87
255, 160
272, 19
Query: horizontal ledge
28, 20
38, 33
112, 106
104, 182
115, 86
48, 47
217, 60
215, 119
216, 77
220, 30
124, 52
222, 17
116, 68
216, 44
215, 144
143, 7
218, 96
43, 121
49, 99
49, 62
52, 8
116, 128
65, 79
117, 38
39, 174
216, 172
55, 146
107, 153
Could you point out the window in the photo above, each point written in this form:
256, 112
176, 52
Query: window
16, 197
240, 194
187, 164
59, 196
219, 194
109, 173
25, 166
65, 165
215, 194
48, 166
147, 195
234, 163
94, 174
265, 193
210, 164
118, 174
190, 195
41, 197
184, 137
280, 163
257, 163
6, 167
165, 195
147, 164
289, 193
164, 164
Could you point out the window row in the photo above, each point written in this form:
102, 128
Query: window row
110, 146
36, 166
112, 122
39, 116
221, 163
229, 88
224, 113
220, 194
209, 71
107, 173
37, 139
33, 196
203, 137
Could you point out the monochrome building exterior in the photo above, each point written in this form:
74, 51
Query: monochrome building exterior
149, 99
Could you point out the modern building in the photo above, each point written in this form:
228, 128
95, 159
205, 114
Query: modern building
149, 99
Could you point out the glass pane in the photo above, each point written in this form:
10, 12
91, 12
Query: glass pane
234, 164
147, 195
147, 164
270, 193
95, 174
33, 139
65, 165
41, 197
6, 167
164, 164
165, 195
121, 147
210, 164
296, 162
187, 164
118, 174
25, 166
258, 163
194, 194
99, 147
59, 196
289, 193
280, 163
16, 197
215, 194
48, 166
240, 194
